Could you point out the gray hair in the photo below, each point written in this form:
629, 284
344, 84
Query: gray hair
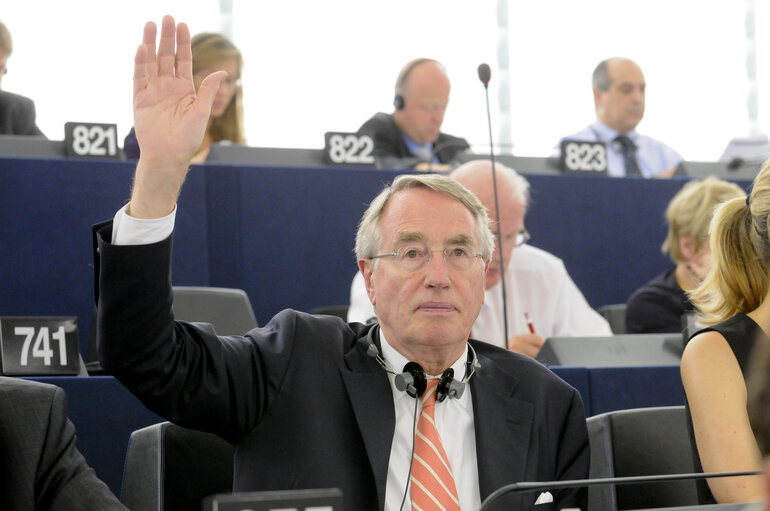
518, 182
6, 43
600, 79
369, 235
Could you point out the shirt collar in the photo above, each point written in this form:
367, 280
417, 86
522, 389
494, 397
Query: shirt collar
424, 151
606, 134
396, 361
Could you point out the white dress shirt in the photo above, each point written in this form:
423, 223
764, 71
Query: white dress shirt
454, 422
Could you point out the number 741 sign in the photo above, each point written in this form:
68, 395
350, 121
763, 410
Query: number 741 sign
39, 345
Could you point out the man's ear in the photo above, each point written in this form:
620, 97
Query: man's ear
367, 270
687, 247
597, 97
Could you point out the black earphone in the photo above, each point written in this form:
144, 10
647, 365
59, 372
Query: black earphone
413, 379
398, 100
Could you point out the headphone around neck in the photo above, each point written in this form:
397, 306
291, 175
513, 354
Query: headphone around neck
413, 380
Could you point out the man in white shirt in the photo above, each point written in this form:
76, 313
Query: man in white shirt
541, 299
619, 97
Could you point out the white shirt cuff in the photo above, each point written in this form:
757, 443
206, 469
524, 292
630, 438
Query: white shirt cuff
127, 230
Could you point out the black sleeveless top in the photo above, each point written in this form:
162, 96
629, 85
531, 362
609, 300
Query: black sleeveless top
741, 333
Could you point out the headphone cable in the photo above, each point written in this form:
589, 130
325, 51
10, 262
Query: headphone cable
411, 458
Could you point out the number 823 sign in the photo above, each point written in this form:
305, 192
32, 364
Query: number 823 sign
39, 345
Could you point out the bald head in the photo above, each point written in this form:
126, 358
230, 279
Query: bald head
513, 199
423, 87
619, 93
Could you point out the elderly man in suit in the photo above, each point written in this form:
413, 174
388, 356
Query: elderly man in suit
40, 467
313, 402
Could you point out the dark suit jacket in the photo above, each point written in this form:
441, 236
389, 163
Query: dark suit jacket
304, 404
391, 150
40, 467
17, 115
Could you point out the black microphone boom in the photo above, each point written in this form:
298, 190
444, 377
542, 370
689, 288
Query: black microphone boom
484, 75
550, 485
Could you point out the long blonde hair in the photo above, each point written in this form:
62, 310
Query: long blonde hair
740, 252
209, 49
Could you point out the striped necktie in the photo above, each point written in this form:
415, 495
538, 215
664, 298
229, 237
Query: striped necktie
432, 482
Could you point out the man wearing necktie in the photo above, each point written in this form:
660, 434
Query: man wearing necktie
619, 97
406, 413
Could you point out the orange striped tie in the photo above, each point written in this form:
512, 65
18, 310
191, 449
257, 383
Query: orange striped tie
432, 482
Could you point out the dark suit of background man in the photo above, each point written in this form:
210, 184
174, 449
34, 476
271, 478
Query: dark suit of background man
40, 467
411, 134
305, 400
17, 113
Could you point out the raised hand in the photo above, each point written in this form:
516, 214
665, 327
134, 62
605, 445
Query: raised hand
170, 118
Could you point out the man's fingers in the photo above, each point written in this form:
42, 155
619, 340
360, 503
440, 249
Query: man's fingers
140, 71
166, 54
209, 87
183, 52
148, 41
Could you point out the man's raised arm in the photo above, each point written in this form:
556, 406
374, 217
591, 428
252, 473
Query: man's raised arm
169, 117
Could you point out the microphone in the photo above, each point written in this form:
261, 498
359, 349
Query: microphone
550, 485
484, 75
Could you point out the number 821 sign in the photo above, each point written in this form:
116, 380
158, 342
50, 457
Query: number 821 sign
39, 345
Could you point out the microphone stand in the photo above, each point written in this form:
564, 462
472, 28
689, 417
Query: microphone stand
484, 76
548, 485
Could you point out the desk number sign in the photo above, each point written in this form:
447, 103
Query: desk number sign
91, 140
583, 157
39, 345
348, 149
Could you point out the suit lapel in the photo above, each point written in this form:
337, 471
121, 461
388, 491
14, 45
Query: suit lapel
371, 396
503, 426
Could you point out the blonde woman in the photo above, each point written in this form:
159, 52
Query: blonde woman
733, 300
659, 304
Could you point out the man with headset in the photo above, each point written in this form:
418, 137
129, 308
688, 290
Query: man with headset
313, 402
411, 134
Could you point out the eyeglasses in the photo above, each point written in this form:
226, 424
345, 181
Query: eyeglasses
522, 236
414, 257
518, 239
232, 82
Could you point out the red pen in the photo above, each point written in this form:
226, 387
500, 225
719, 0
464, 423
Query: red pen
530, 325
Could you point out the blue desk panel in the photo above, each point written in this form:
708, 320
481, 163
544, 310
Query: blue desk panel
285, 235
620, 388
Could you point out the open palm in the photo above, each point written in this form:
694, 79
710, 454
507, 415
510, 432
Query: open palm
169, 116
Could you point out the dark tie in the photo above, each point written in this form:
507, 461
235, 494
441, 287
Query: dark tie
629, 155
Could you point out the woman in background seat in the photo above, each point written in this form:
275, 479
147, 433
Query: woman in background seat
212, 52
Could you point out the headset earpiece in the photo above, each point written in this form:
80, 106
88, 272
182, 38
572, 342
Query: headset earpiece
398, 102
413, 380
